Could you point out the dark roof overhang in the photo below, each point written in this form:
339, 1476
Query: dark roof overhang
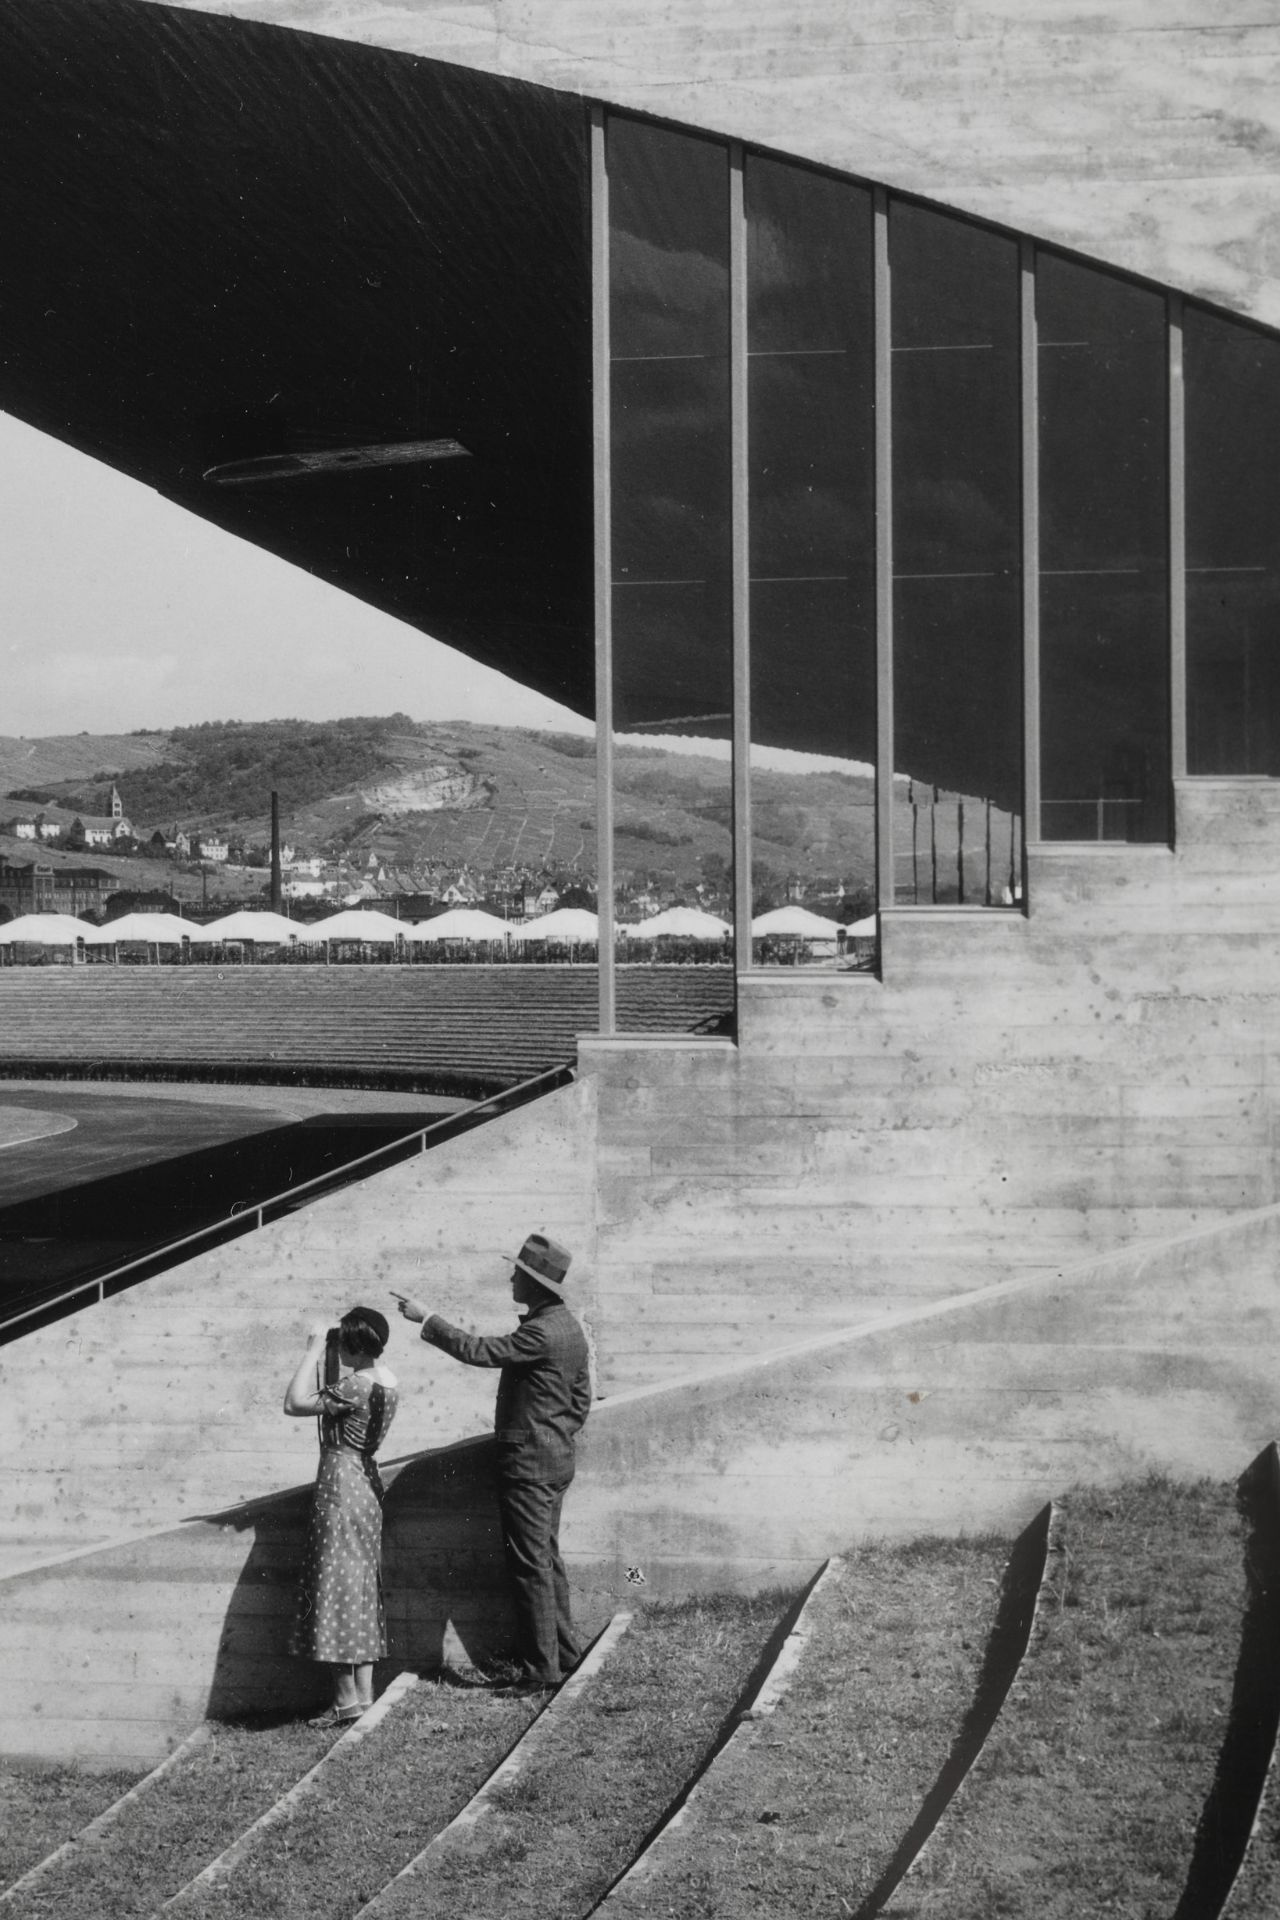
221, 241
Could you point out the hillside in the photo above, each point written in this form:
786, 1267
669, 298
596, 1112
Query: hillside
414, 798
62, 757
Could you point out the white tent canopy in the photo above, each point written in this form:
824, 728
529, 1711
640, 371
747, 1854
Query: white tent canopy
796, 921
271, 929
687, 923
45, 930
863, 929
156, 929
572, 925
462, 923
360, 924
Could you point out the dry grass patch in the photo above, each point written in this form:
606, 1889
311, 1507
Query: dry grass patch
374, 1807
41, 1807
809, 1805
606, 1774
176, 1827
1088, 1795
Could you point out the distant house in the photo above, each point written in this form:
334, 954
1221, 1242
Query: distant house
208, 846
23, 829
547, 901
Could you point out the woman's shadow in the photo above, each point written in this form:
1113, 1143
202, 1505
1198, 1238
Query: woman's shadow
443, 1576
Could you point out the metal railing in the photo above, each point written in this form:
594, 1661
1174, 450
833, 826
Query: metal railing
249, 1217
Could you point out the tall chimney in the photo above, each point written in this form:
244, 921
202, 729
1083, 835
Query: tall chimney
275, 852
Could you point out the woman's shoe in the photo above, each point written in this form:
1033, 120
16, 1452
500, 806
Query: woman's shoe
337, 1716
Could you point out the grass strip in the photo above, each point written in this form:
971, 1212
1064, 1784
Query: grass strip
374, 1807
41, 1807
556, 1837
175, 1828
1087, 1796
809, 1804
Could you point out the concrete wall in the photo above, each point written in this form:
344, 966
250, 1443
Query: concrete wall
960, 1415
1143, 132
1014, 1092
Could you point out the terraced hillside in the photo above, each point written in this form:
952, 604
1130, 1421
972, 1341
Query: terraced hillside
444, 1029
408, 799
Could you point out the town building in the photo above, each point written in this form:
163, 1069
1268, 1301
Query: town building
35, 888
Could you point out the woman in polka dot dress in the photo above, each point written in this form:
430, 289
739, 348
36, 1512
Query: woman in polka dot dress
340, 1619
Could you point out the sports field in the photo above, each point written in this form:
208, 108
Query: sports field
93, 1175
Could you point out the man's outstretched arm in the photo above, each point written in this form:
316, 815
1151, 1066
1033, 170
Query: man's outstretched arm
521, 1348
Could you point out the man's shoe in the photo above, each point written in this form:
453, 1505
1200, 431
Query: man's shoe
523, 1689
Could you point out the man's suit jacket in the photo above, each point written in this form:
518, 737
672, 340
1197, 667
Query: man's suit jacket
544, 1391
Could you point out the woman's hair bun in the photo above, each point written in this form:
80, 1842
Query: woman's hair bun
365, 1331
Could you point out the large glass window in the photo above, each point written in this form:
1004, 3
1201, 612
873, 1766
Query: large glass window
1233, 547
812, 580
672, 549
957, 638
1104, 601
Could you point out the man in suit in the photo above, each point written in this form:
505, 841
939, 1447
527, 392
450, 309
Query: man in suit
544, 1391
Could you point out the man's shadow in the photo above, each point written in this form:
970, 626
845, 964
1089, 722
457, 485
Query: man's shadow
443, 1576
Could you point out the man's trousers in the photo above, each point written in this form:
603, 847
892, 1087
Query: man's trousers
545, 1639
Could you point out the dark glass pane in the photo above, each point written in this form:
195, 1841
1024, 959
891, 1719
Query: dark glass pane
671, 562
810, 439
1104, 616
810, 485
827, 627
670, 471
957, 550
668, 242
1104, 730
1233, 547
668, 635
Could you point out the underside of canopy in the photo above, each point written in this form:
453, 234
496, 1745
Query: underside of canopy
221, 242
